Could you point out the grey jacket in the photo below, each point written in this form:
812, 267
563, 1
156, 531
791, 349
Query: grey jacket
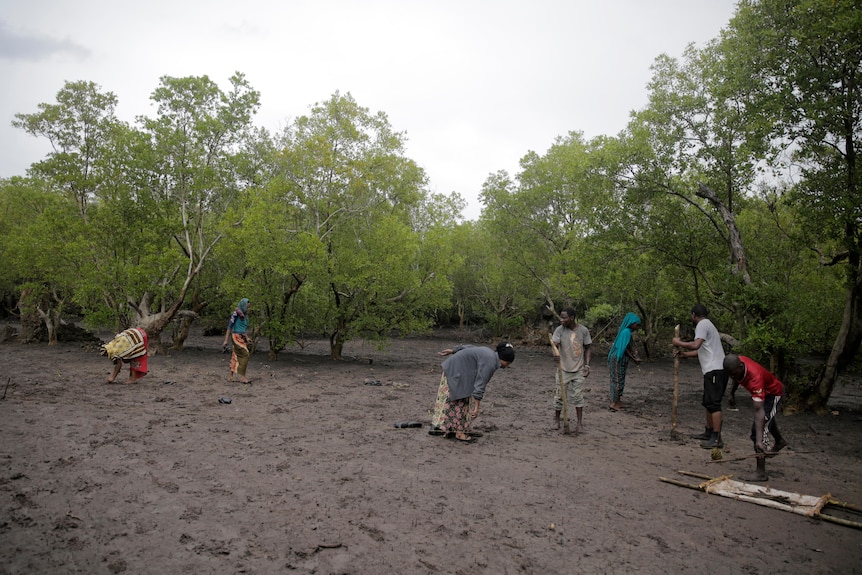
468, 371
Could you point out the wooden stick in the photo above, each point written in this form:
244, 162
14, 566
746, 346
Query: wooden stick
839, 521
563, 397
764, 455
693, 474
844, 505
768, 455
680, 483
673, 431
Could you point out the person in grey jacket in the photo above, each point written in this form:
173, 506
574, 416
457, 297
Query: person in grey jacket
466, 373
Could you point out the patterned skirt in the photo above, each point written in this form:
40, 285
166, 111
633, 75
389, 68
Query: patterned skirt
457, 417
618, 377
448, 415
239, 356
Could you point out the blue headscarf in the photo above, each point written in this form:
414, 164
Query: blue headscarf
239, 318
624, 336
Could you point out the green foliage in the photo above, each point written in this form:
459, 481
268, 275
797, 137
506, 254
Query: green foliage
804, 60
601, 314
38, 217
340, 219
541, 225
764, 339
80, 128
143, 198
812, 102
329, 229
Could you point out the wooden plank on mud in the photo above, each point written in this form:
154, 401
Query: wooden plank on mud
806, 505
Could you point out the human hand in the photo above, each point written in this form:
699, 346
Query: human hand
731, 402
445, 352
474, 412
586, 371
759, 447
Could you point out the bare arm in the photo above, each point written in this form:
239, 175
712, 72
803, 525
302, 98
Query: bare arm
632, 352
732, 400
588, 355
759, 424
691, 347
117, 366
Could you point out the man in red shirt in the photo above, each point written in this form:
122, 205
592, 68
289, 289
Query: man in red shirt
766, 391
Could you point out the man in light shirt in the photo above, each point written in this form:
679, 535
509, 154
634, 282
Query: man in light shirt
707, 347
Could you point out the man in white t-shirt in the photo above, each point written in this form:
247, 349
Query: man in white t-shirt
707, 347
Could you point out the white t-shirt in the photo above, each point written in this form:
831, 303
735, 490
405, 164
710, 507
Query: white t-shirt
710, 353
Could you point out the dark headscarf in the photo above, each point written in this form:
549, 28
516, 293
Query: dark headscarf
505, 351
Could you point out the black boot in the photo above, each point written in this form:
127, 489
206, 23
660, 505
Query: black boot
707, 434
714, 441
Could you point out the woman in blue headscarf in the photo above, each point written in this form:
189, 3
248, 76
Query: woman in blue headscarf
618, 358
236, 331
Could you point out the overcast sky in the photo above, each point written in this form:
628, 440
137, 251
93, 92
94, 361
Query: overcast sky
474, 84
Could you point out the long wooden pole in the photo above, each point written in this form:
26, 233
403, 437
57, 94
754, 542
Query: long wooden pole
767, 455
674, 434
562, 386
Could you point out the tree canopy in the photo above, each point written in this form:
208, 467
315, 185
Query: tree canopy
736, 185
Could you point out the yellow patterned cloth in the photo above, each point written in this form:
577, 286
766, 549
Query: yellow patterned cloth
439, 413
126, 345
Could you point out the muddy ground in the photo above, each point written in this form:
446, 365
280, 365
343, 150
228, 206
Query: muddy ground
304, 471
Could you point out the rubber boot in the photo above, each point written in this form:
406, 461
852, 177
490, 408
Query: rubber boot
707, 434
714, 441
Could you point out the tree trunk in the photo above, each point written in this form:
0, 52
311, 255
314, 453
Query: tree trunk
648, 330
846, 344
31, 325
737, 253
155, 323
52, 319
336, 340
181, 333
31, 321
336, 346
276, 344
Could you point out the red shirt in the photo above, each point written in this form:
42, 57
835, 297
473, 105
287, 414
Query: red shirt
759, 381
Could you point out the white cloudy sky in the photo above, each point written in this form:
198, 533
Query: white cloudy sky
475, 84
